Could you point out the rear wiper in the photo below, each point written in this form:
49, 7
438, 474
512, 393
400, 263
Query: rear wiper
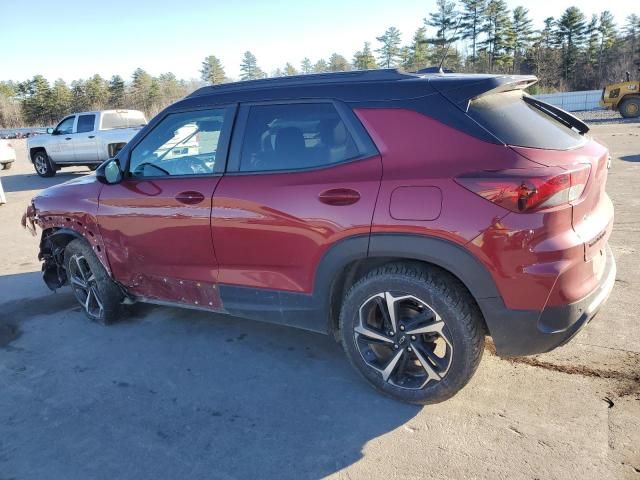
560, 115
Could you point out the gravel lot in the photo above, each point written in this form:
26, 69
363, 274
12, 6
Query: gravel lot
181, 394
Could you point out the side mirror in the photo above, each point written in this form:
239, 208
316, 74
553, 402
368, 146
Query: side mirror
109, 172
50, 131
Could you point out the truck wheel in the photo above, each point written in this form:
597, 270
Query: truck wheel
43, 165
414, 333
630, 107
98, 295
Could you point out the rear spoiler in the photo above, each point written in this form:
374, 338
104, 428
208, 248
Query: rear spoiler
462, 89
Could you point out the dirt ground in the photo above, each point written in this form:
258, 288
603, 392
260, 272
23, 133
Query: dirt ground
180, 394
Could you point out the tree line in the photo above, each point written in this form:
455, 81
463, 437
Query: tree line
570, 52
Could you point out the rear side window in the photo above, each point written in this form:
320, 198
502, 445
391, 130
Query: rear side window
515, 122
122, 119
86, 123
295, 136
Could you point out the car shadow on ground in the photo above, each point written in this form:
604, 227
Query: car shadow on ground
630, 158
21, 182
173, 393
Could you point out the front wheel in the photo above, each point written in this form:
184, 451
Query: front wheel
413, 332
630, 107
43, 165
98, 295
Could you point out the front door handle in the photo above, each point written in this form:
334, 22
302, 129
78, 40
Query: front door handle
92, 136
190, 197
68, 138
339, 196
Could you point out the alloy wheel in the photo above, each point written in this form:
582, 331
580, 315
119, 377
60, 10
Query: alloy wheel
404, 339
84, 285
40, 162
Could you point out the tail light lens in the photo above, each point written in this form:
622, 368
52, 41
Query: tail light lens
529, 190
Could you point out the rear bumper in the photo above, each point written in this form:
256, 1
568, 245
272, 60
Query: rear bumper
528, 332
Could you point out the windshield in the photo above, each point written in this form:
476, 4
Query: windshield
122, 119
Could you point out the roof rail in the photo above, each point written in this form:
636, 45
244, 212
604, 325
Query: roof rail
379, 75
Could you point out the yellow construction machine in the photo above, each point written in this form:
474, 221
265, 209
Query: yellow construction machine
623, 96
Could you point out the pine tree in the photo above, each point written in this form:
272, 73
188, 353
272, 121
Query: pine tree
522, 35
36, 95
471, 23
390, 50
364, 59
337, 63
632, 33
249, 67
607, 30
497, 26
97, 92
306, 66
116, 92
289, 70
570, 33
444, 21
593, 41
419, 51
212, 70
60, 100
321, 66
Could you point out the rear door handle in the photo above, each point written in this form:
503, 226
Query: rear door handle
68, 138
92, 136
339, 196
190, 197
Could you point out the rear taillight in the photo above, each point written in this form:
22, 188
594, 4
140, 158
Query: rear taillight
525, 190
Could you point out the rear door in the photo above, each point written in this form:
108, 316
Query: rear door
156, 223
84, 141
301, 177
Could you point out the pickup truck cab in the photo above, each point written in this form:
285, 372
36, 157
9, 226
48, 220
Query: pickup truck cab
86, 138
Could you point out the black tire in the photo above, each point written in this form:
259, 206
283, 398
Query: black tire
104, 296
450, 306
43, 164
630, 107
7, 166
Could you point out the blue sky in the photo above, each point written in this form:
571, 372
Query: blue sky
117, 36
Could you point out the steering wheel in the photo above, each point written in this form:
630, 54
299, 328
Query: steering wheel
190, 165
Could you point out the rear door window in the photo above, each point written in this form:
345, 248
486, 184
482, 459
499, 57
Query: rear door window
86, 123
295, 136
516, 122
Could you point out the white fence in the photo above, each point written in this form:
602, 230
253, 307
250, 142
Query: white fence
573, 101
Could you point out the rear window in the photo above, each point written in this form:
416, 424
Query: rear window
515, 122
124, 119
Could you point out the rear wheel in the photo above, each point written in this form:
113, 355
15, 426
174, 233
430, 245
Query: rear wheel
98, 295
43, 165
413, 332
630, 107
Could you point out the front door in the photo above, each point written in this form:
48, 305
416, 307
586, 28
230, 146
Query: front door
60, 149
306, 176
84, 141
156, 222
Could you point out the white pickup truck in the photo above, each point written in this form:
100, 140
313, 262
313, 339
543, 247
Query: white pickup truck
87, 138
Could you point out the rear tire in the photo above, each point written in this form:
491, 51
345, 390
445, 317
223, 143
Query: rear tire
43, 164
630, 107
98, 295
438, 339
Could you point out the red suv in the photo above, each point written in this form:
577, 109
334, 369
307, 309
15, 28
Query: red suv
408, 215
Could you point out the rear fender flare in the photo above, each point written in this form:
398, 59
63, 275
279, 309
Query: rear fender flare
440, 252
